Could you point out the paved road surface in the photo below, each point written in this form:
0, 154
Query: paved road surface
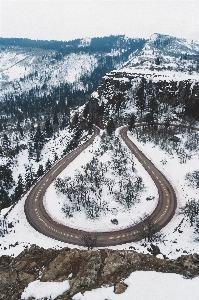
42, 222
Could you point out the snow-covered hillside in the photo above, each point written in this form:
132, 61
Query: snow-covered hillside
159, 84
137, 89
24, 69
165, 56
27, 64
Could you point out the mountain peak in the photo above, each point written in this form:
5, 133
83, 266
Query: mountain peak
164, 52
170, 45
159, 36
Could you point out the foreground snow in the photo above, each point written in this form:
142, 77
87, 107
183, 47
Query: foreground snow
142, 285
43, 290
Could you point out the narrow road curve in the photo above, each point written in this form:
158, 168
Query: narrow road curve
42, 222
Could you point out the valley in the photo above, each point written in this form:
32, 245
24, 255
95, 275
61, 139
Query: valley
51, 95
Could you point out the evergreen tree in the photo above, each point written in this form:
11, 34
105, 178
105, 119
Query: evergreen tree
29, 176
32, 131
40, 171
30, 150
19, 128
55, 119
153, 105
48, 128
75, 119
6, 176
110, 127
48, 164
132, 122
4, 198
6, 142
86, 111
90, 127
140, 99
118, 99
157, 61
63, 122
150, 119
38, 143
38, 138
31, 141
19, 188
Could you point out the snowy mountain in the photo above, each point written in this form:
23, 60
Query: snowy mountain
24, 69
41, 86
165, 69
171, 45
42, 65
51, 94
167, 53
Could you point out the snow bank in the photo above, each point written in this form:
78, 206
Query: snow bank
39, 290
148, 285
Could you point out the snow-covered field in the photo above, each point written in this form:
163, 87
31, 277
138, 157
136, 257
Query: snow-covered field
142, 285
160, 75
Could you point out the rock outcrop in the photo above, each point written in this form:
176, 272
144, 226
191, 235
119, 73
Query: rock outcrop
85, 270
120, 90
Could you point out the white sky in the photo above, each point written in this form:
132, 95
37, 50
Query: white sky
70, 19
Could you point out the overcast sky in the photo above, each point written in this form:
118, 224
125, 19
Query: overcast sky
70, 19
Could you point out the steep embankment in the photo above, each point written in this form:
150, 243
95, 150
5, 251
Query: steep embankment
151, 96
87, 269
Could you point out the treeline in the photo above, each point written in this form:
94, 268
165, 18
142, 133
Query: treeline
32, 103
43, 44
99, 44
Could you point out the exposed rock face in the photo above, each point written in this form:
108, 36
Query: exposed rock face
85, 270
120, 288
189, 261
118, 88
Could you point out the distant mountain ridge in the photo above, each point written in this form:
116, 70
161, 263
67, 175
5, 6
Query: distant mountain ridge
172, 45
103, 44
166, 53
44, 65
68, 72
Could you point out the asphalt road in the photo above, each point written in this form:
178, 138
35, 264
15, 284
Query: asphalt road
42, 222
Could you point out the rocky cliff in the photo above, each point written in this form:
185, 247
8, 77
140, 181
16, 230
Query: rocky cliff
161, 96
85, 270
